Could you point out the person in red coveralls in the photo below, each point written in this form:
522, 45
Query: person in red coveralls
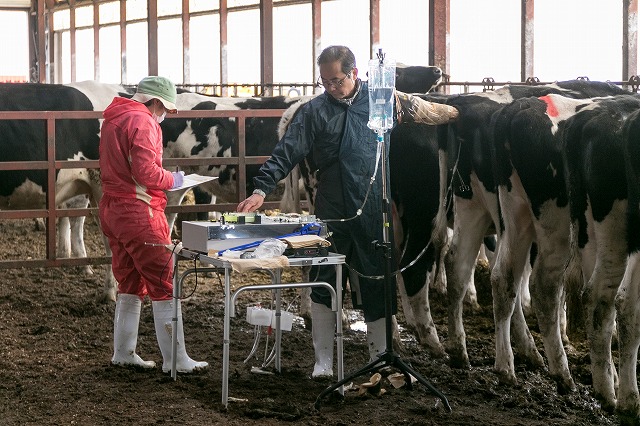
132, 218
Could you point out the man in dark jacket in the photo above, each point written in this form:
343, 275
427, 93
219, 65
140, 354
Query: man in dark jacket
331, 131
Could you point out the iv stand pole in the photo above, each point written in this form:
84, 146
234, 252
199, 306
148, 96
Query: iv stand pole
388, 357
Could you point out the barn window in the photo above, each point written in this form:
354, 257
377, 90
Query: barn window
244, 51
110, 69
13, 26
344, 23
204, 38
137, 46
485, 40
588, 47
287, 49
170, 49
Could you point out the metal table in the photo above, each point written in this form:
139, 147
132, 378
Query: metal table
337, 260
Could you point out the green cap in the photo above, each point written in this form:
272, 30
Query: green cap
154, 87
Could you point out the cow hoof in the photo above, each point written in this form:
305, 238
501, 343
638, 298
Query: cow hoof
86, 270
534, 360
628, 417
459, 360
436, 350
307, 321
565, 385
607, 404
506, 378
106, 297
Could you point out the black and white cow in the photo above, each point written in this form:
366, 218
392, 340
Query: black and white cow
24, 140
603, 233
628, 319
477, 209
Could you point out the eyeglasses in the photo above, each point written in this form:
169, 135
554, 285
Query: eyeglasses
333, 82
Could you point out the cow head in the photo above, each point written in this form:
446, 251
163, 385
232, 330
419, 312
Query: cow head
417, 79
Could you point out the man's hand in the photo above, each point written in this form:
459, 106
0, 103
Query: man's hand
251, 204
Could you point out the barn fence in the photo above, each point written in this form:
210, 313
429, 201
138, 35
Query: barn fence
50, 213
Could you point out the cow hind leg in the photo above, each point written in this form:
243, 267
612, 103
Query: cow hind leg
459, 264
628, 406
70, 233
110, 287
600, 297
507, 309
547, 297
417, 312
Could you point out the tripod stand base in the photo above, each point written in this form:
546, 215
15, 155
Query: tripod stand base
385, 359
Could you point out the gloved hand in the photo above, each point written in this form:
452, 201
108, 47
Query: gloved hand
178, 179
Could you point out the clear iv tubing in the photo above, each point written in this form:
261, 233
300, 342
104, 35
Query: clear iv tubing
379, 148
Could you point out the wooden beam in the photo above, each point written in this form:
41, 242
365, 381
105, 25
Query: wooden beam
266, 45
186, 53
439, 29
50, 58
42, 45
224, 60
72, 39
374, 27
629, 39
96, 40
123, 41
316, 35
526, 39
152, 22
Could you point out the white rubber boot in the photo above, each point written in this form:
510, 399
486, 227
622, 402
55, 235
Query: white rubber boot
125, 332
323, 332
376, 338
162, 316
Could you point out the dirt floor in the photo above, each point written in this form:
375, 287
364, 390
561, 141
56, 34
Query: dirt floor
56, 345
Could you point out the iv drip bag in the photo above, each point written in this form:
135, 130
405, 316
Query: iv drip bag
382, 82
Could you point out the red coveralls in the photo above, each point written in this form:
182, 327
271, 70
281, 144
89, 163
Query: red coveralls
133, 201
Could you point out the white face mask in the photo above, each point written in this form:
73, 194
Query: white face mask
159, 118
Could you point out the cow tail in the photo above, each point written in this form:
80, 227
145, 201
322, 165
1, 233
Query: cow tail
631, 135
573, 277
439, 235
573, 285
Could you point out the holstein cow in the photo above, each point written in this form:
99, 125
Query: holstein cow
24, 140
604, 230
534, 208
477, 209
628, 401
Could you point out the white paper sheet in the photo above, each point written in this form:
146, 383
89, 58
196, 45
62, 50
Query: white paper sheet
193, 180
